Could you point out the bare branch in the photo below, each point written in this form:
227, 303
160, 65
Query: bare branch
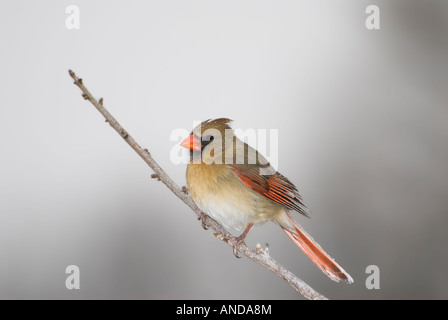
159, 174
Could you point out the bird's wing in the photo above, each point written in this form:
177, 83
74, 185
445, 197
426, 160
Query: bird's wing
263, 179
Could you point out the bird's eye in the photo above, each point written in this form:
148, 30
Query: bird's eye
206, 140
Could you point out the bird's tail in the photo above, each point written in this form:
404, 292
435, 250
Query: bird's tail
314, 251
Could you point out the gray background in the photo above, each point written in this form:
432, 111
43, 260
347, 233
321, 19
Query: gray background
362, 118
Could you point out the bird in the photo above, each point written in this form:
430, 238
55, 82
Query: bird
234, 184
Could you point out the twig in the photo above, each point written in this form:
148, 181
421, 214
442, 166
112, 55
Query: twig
263, 259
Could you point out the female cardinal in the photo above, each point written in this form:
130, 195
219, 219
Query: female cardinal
234, 184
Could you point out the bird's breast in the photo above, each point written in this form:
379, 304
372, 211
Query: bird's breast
219, 193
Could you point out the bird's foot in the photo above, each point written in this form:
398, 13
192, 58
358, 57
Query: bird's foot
240, 239
235, 242
203, 217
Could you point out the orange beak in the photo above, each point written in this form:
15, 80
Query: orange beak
192, 143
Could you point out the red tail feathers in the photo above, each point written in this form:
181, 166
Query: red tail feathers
317, 255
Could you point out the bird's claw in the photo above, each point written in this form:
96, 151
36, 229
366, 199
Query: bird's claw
239, 240
203, 217
236, 242
235, 251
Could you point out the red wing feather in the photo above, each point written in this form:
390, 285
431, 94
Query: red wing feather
274, 187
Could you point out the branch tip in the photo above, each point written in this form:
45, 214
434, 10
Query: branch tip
219, 236
155, 176
262, 250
